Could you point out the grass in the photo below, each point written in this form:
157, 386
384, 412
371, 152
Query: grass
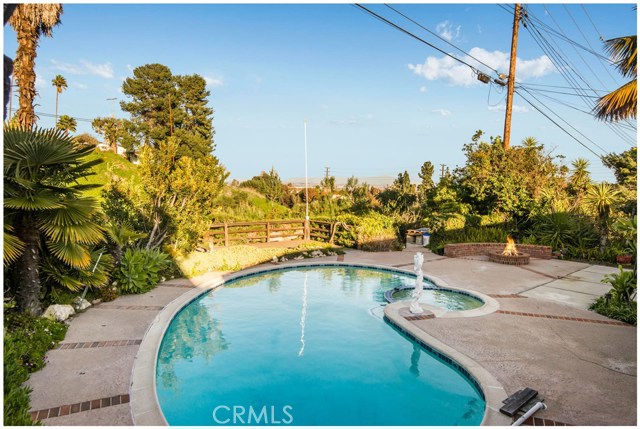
113, 164
235, 258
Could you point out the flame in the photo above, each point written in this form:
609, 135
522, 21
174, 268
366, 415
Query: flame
510, 249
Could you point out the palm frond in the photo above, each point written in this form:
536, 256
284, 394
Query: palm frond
620, 104
73, 254
622, 51
12, 249
32, 202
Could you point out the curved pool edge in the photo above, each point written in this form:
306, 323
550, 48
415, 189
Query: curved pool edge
491, 388
144, 404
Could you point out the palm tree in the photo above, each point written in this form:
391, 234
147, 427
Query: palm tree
600, 199
66, 124
579, 180
622, 103
45, 215
60, 83
30, 21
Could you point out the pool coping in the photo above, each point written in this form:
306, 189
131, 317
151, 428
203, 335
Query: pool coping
144, 404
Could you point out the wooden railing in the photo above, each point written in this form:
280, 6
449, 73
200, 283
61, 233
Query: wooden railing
229, 233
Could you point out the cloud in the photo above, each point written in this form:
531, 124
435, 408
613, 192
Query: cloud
85, 67
80, 85
457, 74
442, 112
214, 81
503, 107
446, 31
423, 89
40, 82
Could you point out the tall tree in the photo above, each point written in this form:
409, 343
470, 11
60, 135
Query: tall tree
621, 104
163, 105
30, 21
60, 83
45, 212
67, 124
579, 181
426, 184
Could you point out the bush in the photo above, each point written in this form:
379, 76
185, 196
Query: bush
618, 303
26, 341
371, 232
487, 234
140, 270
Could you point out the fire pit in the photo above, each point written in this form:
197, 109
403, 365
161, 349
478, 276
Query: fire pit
510, 255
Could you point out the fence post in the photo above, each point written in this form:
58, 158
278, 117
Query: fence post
268, 226
307, 230
226, 235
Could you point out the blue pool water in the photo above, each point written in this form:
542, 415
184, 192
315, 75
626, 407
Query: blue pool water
305, 346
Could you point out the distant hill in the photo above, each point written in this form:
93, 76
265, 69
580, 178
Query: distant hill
377, 181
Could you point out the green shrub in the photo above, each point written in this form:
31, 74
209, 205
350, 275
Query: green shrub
483, 234
140, 270
623, 311
371, 232
26, 341
618, 303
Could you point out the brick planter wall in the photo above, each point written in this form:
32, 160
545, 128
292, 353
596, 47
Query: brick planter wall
459, 250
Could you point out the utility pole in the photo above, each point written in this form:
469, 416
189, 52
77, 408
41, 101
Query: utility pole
442, 172
511, 80
170, 117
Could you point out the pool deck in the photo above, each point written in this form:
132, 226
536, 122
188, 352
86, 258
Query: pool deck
542, 336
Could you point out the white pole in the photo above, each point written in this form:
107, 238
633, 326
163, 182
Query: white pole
306, 179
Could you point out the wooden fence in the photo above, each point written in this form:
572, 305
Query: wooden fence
229, 233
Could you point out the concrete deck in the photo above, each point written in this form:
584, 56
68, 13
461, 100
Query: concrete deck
542, 336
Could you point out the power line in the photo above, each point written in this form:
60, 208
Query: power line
558, 61
592, 23
558, 125
442, 38
397, 27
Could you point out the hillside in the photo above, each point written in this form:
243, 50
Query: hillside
112, 164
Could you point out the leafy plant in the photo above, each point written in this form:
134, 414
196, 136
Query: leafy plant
623, 285
140, 270
619, 302
26, 341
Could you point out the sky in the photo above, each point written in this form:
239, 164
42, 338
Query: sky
376, 100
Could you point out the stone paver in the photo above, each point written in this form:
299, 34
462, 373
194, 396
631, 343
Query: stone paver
585, 371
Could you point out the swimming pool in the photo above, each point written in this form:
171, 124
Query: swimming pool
305, 346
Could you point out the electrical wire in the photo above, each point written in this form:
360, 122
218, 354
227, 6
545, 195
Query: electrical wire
558, 125
563, 66
399, 28
442, 38
592, 23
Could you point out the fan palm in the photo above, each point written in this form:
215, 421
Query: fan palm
66, 124
30, 21
622, 103
61, 84
45, 213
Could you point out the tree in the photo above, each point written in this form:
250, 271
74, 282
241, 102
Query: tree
60, 84
579, 180
497, 181
400, 196
600, 200
268, 184
622, 103
86, 139
624, 166
163, 105
178, 193
30, 21
426, 175
110, 128
46, 215
66, 124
